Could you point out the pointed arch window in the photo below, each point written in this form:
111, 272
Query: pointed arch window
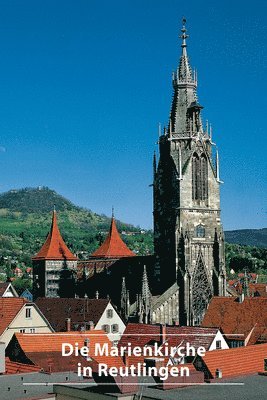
199, 177
195, 177
204, 177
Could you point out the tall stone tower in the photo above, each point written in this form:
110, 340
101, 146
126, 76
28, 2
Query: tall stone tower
54, 266
189, 240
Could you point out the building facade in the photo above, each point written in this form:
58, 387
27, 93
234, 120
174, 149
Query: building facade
54, 266
189, 239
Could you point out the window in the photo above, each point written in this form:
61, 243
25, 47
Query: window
199, 177
218, 344
32, 330
109, 313
28, 313
115, 328
200, 231
106, 328
22, 330
203, 178
195, 177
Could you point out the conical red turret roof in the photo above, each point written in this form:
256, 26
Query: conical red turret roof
113, 246
54, 247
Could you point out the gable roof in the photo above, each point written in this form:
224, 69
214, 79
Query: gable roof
9, 308
54, 247
5, 286
141, 334
45, 349
113, 246
237, 361
235, 317
80, 311
13, 367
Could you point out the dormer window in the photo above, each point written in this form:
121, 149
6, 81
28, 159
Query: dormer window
200, 231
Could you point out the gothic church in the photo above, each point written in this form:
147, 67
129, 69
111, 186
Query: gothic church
188, 235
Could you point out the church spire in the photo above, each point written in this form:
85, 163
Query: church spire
184, 85
113, 246
54, 247
184, 70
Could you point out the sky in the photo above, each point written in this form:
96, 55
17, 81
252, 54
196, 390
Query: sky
85, 83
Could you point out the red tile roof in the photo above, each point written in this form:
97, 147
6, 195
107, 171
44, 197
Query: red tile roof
238, 361
45, 349
258, 289
91, 267
255, 289
113, 246
235, 317
13, 367
3, 287
142, 335
54, 247
9, 308
80, 311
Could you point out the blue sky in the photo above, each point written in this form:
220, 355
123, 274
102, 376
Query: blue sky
84, 84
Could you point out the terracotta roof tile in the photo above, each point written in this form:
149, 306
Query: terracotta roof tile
143, 335
45, 350
113, 246
3, 287
197, 336
238, 361
235, 317
9, 308
13, 367
54, 247
80, 311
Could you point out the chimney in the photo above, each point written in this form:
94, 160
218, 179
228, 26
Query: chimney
97, 295
241, 297
91, 325
86, 342
68, 324
125, 359
163, 335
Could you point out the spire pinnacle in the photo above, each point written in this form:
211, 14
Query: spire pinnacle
112, 212
184, 35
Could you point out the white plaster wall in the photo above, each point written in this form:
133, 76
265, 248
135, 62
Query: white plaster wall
36, 322
116, 319
220, 337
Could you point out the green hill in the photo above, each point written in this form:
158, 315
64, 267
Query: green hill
25, 219
249, 237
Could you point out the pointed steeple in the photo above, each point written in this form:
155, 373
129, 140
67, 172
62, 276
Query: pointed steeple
54, 247
184, 70
124, 299
145, 286
184, 84
113, 246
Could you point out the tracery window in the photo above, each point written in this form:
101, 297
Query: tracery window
201, 292
195, 177
203, 177
199, 177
